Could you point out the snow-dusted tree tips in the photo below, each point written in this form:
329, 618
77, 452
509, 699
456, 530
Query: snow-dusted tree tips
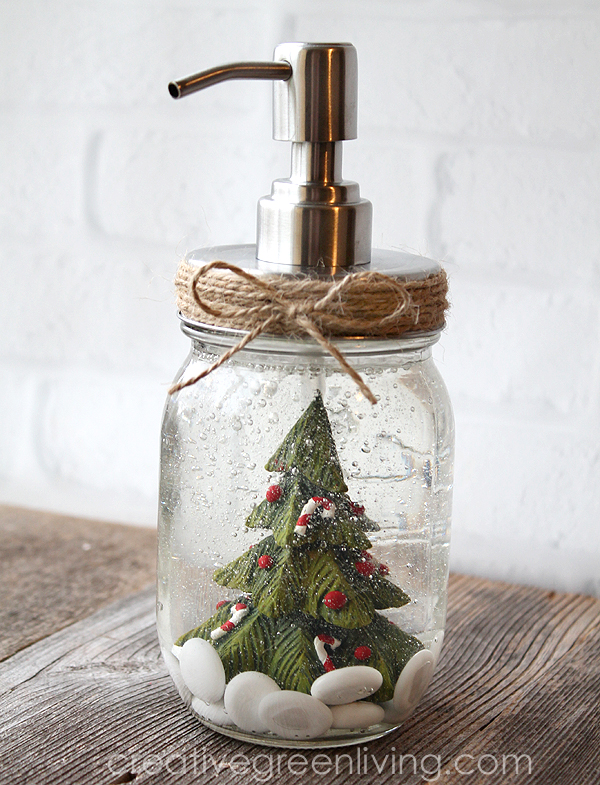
309, 447
309, 590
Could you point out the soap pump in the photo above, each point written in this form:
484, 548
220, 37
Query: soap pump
314, 219
304, 604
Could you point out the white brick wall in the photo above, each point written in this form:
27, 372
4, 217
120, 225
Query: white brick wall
478, 145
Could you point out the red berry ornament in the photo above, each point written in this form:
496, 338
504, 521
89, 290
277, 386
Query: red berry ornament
240, 606
366, 568
274, 493
335, 600
265, 562
362, 653
228, 626
221, 603
357, 509
384, 569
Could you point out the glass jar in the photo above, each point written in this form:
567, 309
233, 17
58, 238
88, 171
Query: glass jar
304, 536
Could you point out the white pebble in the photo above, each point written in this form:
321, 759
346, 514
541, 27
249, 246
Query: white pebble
202, 670
346, 685
243, 696
175, 651
295, 715
213, 712
356, 715
412, 682
390, 713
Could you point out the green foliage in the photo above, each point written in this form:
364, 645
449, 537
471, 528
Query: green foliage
239, 573
281, 516
309, 447
383, 592
284, 649
339, 531
205, 629
324, 575
286, 597
391, 649
294, 665
249, 646
275, 590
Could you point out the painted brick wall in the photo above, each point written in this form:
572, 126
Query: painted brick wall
478, 145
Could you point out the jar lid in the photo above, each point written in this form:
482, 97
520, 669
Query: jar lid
312, 272
313, 221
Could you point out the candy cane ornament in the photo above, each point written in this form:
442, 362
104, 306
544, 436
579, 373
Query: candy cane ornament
311, 505
322, 653
238, 612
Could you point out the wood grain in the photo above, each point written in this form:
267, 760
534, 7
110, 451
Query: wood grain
57, 570
519, 675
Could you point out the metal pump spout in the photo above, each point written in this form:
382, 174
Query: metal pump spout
222, 73
314, 219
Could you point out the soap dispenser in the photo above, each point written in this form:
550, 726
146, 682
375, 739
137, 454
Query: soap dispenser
307, 449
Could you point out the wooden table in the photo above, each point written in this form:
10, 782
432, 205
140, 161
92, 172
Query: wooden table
85, 697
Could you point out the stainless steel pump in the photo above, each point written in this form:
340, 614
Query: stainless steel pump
313, 220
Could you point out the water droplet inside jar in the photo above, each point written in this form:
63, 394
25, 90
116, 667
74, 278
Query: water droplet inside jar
365, 448
262, 403
269, 389
273, 417
236, 423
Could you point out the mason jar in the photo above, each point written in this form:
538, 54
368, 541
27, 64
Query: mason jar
304, 535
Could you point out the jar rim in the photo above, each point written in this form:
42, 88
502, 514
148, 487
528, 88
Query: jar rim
285, 344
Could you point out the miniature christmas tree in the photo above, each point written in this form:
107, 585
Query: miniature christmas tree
311, 590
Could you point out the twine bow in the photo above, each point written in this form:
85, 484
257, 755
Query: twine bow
367, 303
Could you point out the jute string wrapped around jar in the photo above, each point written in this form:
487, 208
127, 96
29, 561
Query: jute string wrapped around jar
364, 304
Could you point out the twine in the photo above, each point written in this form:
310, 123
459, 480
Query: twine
368, 304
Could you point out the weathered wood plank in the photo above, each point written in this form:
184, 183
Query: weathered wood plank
57, 570
520, 675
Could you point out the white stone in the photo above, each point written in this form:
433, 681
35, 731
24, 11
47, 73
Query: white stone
213, 712
295, 715
202, 670
357, 715
176, 651
412, 682
346, 685
391, 714
243, 696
